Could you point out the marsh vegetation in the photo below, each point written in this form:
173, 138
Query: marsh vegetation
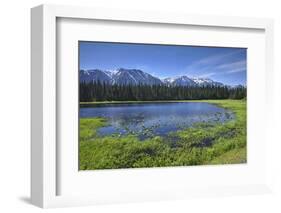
208, 132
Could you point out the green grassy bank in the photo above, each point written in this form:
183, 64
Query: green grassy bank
202, 144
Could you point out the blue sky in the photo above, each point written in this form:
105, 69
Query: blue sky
226, 65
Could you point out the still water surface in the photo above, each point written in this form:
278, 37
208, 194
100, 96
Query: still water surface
154, 119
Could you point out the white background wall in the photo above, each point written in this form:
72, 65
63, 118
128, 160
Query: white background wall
15, 104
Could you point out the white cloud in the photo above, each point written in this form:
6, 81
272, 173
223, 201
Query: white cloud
216, 64
234, 67
207, 75
236, 70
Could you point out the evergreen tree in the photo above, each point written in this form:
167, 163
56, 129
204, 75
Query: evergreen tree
97, 91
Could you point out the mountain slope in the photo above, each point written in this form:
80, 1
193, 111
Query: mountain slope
134, 77
206, 82
95, 75
180, 81
124, 76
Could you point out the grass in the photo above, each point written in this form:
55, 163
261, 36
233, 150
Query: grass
232, 157
203, 144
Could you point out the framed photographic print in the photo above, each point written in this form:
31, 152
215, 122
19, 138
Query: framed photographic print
152, 114
130, 106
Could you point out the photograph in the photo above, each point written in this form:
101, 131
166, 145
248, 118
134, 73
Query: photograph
161, 105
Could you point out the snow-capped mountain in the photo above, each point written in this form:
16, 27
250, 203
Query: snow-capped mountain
180, 81
95, 75
124, 76
120, 76
206, 82
134, 77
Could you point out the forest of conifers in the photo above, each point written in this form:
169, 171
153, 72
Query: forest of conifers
96, 91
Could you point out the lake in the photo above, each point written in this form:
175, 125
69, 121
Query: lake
154, 119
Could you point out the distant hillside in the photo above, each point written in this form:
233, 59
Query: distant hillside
124, 76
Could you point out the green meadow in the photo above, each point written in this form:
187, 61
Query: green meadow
201, 144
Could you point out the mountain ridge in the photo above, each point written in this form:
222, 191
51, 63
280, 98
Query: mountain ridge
123, 76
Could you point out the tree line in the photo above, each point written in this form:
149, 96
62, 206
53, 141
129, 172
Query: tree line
97, 91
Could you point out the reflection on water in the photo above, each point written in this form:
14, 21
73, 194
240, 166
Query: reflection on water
153, 119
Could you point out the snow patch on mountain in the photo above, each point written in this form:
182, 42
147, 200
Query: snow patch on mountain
124, 76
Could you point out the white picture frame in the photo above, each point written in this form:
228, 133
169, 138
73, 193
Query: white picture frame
44, 154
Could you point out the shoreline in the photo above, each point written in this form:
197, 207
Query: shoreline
157, 101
